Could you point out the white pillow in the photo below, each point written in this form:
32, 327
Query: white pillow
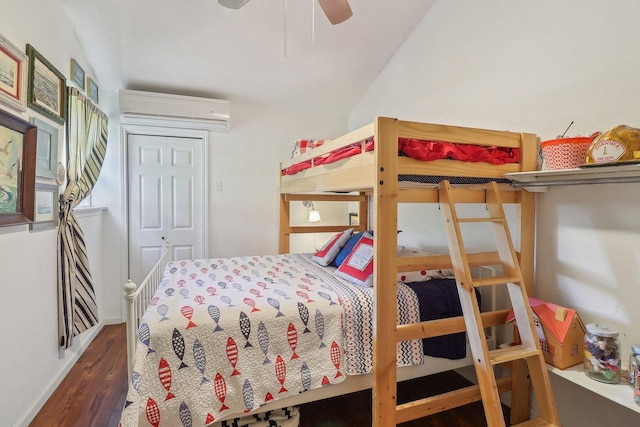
421, 275
329, 250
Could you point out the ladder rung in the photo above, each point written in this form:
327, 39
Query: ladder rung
481, 220
536, 422
509, 354
498, 280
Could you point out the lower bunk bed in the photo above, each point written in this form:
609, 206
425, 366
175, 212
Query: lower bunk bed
222, 338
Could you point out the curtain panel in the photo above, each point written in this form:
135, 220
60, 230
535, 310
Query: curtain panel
87, 129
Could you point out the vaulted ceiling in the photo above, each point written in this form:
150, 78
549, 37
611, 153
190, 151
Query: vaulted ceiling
269, 52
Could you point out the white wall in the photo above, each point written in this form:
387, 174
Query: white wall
243, 216
31, 364
535, 67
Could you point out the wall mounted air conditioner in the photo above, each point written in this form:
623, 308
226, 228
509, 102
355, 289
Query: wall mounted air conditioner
167, 110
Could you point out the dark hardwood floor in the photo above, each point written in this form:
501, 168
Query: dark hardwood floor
93, 393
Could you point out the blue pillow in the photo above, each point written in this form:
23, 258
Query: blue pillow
347, 248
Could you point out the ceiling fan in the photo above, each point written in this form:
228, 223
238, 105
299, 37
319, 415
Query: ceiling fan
337, 11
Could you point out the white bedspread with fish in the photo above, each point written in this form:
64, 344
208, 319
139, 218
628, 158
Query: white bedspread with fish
224, 336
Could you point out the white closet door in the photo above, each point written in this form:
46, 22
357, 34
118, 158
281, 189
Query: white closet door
166, 200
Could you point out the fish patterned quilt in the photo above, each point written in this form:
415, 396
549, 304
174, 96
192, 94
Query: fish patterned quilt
223, 337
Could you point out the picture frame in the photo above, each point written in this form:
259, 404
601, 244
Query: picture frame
13, 76
46, 149
47, 92
354, 219
77, 74
45, 207
92, 90
17, 169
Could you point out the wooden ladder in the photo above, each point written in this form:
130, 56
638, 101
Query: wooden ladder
484, 359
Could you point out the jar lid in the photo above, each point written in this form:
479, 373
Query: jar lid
635, 348
601, 330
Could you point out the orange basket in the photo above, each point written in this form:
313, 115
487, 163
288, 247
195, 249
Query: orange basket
566, 153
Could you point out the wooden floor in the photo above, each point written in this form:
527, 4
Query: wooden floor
93, 393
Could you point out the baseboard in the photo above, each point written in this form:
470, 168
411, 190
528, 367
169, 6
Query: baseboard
71, 359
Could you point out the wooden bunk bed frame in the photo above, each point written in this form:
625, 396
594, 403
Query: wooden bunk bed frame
371, 178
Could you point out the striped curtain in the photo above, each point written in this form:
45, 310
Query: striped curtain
87, 144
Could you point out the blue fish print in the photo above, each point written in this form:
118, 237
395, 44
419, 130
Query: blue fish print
327, 297
275, 304
305, 375
177, 340
185, 415
200, 358
245, 328
214, 312
304, 316
247, 395
263, 340
320, 327
225, 299
144, 334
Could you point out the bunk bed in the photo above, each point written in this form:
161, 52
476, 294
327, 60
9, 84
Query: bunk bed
374, 176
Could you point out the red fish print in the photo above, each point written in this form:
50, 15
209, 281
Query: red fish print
262, 285
281, 373
232, 355
268, 398
251, 303
165, 376
152, 412
292, 338
335, 357
236, 271
304, 295
325, 380
212, 291
199, 299
181, 283
305, 288
187, 312
209, 419
220, 388
154, 301
255, 292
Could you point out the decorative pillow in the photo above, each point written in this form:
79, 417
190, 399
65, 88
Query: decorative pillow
422, 275
328, 252
348, 247
358, 266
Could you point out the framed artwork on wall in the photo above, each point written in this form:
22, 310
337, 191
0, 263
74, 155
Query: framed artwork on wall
77, 74
17, 169
47, 87
46, 149
13, 76
45, 207
92, 90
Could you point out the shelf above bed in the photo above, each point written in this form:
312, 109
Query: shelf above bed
538, 181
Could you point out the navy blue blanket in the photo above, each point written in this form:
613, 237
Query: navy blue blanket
438, 298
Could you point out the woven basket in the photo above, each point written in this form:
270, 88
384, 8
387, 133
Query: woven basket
565, 153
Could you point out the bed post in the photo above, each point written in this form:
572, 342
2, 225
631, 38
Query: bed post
385, 193
285, 235
131, 324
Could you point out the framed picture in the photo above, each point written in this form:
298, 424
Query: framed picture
354, 219
92, 89
45, 207
17, 169
47, 87
77, 74
13, 76
46, 149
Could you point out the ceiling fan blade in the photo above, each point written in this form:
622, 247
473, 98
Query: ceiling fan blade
337, 11
233, 4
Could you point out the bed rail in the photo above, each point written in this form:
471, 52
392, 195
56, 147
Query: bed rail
137, 299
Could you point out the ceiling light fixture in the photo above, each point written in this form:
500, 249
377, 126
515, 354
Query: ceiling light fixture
337, 11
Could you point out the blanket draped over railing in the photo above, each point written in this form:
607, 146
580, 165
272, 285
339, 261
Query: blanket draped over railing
87, 144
